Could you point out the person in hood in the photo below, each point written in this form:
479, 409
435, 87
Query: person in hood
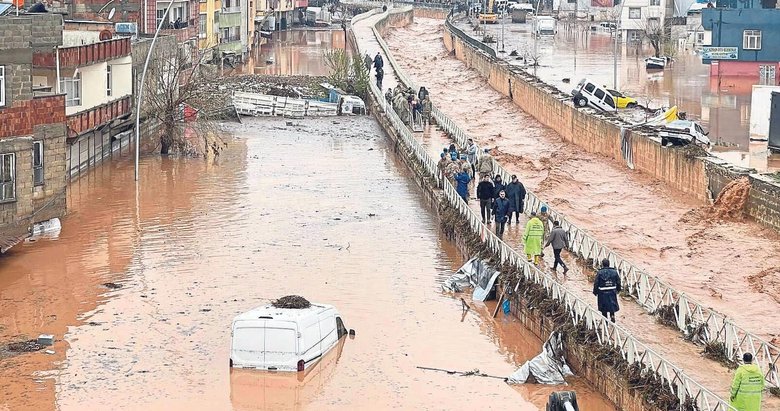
747, 386
501, 211
498, 186
367, 62
606, 288
462, 178
485, 196
532, 238
471, 154
515, 192
423, 93
485, 164
559, 239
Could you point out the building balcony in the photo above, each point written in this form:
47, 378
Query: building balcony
186, 31
234, 9
90, 119
84, 55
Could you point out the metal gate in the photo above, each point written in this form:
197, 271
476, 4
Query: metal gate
774, 121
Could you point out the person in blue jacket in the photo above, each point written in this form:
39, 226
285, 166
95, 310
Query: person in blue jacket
501, 209
463, 178
606, 288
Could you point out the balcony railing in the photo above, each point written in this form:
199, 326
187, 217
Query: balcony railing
85, 55
95, 117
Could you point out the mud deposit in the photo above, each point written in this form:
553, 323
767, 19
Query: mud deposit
638, 217
320, 208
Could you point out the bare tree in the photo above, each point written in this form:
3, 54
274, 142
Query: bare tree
653, 31
177, 97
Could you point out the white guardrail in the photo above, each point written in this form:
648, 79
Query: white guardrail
696, 321
579, 311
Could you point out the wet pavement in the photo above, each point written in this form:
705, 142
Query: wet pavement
662, 231
299, 208
721, 105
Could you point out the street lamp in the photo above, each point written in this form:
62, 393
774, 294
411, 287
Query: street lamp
140, 99
615, 51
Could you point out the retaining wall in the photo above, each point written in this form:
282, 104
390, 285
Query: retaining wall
702, 177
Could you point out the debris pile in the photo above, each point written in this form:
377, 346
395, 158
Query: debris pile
291, 301
284, 86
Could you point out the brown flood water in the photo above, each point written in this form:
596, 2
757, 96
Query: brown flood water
295, 52
731, 266
285, 209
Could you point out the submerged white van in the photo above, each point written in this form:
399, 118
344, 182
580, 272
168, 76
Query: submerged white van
284, 339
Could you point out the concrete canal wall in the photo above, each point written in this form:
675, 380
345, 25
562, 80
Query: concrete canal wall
702, 177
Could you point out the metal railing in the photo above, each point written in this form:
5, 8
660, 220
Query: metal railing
580, 312
696, 321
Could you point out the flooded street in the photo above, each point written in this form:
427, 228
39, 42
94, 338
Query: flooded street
295, 52
728, 265
320, 208
721, 105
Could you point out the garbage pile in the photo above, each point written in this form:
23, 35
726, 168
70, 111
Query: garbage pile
291, 301
475, 273
549, 367
283, 86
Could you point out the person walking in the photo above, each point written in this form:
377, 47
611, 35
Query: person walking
501, 211
606, 288
379, 62
367, 61
532, 238
747, 385
427, 109
498, 186
485, 196
471, 153
515, 192
442, 164
559, 239
462, 178
423, 93
454, 152
380, 74
485, 164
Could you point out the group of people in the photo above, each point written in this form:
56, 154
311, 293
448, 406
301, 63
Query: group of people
408, 104
379, 67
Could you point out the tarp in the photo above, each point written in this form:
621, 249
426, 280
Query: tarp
475, 273
549, 367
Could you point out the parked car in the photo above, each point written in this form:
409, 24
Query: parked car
587, 93
605, 27
284, 339
621, 100
683, 132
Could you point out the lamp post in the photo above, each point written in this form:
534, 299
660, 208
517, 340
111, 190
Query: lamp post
140, 98
615, 51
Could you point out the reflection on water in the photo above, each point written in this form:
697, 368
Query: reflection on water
296, 52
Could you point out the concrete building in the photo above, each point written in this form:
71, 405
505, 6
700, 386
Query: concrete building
227, 25
745, 34
33, 128
96, 77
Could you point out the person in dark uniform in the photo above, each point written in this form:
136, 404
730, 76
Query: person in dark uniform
606, 287
501, 211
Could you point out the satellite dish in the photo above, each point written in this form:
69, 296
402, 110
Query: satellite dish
111, 13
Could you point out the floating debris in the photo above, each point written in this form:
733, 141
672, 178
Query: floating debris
291, 301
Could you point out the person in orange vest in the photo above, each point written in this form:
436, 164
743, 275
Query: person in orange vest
747, 386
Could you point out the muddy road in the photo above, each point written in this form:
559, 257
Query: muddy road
731, 265
321, 208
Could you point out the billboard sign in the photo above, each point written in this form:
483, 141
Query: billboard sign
719, 53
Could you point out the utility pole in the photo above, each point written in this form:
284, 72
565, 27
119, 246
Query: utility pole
615, 51
502, 16
140, 99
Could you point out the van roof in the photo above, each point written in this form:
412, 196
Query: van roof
290, 314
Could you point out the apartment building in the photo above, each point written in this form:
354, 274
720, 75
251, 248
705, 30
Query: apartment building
32, 131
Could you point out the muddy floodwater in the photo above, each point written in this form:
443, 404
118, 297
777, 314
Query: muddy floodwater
295, 52
141, 286
721, 105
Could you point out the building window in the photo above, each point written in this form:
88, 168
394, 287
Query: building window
655, 2
634, 36
202, 26
108, 80
751, 40
699, 38
7, 177
634, 13
2, 86
72, 88
37, 163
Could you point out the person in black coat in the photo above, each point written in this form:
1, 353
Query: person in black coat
515, 192
606, 288
485, 196
498, 186
501, 211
